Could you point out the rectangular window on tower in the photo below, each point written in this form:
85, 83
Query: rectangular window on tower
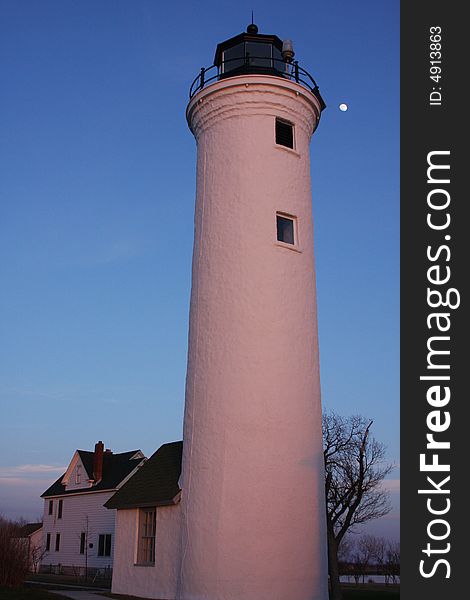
286, 229
284, 133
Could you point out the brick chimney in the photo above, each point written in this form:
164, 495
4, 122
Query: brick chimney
98, 461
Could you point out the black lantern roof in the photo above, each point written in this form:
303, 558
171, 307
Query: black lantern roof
255, 53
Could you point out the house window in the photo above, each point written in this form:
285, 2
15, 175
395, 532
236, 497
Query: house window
57, 542
78, 474
284, 133
285, 229
82, 542
59, 509
48, 542
51, 506
147, 526
104, 544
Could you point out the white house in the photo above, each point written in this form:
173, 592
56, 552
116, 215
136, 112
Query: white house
31, 535
78, 532
148, 527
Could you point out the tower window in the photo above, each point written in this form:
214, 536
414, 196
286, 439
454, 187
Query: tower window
285, 229
284, 133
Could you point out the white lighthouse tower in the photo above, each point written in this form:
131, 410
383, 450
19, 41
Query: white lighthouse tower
252, 482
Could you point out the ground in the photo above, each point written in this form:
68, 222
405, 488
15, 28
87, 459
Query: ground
28, 594
350, 592
70, 580
371, 592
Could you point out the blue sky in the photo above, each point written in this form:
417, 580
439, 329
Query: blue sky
97, 184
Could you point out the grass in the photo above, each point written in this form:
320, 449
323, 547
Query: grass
121, 597
353, 592
26, 593
69, 580
361, 592
371, 592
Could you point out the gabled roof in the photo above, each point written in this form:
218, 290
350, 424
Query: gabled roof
116, 467
73, 463
28, 529
155, 483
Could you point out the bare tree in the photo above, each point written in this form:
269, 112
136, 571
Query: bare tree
392, 562
379, 554
354, 471
361, 559
87, 532
345, 556
14, 554
36, 554
370, 552
346, 549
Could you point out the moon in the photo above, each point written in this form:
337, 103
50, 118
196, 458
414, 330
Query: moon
343, 107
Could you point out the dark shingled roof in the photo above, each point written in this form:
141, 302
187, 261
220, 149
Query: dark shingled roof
155, 483
116, 467
28, 529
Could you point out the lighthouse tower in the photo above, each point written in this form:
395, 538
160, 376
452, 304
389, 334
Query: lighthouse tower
253, 512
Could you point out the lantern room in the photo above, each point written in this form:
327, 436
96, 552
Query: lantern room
251, 52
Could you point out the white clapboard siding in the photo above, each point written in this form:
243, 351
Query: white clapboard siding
76, 508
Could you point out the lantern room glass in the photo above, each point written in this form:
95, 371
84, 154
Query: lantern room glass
252, 56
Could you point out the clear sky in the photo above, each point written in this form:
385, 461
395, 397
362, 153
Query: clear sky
97, 187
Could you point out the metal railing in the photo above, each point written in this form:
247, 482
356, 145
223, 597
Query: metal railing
248, 64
